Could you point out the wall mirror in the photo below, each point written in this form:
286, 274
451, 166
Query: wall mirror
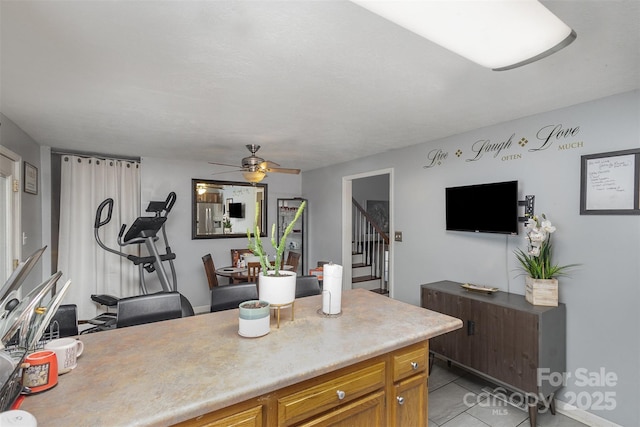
226, 209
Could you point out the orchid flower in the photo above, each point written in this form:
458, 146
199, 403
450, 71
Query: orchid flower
536, 262
547, 226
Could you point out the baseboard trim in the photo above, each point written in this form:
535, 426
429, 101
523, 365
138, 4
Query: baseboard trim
582, 416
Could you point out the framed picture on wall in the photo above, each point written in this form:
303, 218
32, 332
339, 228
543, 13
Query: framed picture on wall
610, 183
30, 178
378, 210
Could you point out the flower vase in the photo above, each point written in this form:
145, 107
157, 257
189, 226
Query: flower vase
541, 291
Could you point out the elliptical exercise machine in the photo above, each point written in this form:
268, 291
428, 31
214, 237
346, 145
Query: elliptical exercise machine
144, 230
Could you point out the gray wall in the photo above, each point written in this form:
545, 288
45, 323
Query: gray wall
14, 138
161, 176
370, 188
601, 296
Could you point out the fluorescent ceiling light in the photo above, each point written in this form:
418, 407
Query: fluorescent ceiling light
497, 34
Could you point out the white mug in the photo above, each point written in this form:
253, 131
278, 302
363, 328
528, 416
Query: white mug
67, 351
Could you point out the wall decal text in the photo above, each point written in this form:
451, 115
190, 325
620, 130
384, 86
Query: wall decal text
545, 138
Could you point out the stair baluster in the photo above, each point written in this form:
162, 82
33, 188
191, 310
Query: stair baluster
372, 242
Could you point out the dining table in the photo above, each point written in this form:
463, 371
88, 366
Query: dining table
235, 274
239, 274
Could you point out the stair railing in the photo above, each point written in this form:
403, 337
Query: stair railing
371, 241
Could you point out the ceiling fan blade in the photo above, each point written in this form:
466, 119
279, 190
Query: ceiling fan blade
268, 164
283, 170
237, 170
224, 164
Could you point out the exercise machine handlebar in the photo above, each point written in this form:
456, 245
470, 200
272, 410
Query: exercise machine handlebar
107, 202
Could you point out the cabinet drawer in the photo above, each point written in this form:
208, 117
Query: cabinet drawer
409, 362
368, 411
329, 394
232, 416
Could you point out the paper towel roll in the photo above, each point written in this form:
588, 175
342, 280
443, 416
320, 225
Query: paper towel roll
331, 288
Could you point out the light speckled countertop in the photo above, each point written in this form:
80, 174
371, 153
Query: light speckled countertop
163, 373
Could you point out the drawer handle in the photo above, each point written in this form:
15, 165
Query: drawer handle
414, 365
400, 400
341, 394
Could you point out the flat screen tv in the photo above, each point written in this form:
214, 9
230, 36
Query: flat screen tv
483, 208
236, 210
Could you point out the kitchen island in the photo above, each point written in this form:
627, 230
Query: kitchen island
168, 372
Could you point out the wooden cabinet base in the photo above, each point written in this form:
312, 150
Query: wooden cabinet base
358, 395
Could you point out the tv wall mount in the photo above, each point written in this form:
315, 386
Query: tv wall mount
528, 204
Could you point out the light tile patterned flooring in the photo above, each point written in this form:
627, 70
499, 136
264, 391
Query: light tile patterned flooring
460, 399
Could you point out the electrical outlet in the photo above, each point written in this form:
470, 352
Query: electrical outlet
398, 236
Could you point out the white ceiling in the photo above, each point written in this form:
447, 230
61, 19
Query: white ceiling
314, 82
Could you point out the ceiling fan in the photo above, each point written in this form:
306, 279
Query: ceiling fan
254, 168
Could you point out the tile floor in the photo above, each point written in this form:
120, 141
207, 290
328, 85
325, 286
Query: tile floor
460, 399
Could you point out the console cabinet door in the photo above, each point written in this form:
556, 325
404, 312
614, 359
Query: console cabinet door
452, 345
511, 338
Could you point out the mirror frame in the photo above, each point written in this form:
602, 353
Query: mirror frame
196, 183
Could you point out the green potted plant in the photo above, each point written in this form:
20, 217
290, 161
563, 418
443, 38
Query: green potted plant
255, 242
226, 224
542, 275
275, 285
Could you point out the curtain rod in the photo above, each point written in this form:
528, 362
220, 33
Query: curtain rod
100, 156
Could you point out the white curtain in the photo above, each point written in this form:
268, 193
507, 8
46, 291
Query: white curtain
85, 183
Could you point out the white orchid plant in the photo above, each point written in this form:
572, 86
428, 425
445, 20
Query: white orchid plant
536, 262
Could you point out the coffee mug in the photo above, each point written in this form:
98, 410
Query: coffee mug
40, 371
67, 350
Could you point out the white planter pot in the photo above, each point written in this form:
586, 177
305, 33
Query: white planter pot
254, 321
277, 290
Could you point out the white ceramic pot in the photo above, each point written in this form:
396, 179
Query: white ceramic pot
277, 290
254, 318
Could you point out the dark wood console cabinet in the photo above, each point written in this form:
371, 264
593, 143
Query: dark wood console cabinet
504, 339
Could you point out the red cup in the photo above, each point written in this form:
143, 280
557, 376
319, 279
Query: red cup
40, 371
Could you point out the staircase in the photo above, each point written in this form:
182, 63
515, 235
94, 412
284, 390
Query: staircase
362, 275
369, 253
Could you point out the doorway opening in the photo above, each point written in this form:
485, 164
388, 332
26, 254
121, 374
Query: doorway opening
367, 223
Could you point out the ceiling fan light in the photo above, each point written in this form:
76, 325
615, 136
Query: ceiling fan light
253, 176
497, 34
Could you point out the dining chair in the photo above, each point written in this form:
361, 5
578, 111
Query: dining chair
236, 254
230, 296
253, 269
307, 286
210, 270
150, 308
292, 259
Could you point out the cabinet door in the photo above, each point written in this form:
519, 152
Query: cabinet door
365, 412
454, 345
511, 340
411, 402
480, 327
